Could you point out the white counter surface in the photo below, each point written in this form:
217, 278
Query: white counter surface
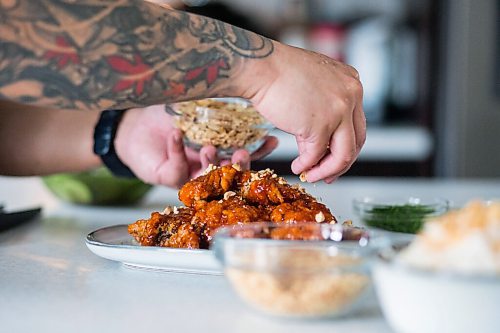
50, 281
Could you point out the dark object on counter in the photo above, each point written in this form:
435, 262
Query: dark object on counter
14, 219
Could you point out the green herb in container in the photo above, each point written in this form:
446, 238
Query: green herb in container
407, 216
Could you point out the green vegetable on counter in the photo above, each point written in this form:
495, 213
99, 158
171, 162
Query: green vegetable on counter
96, 187
407, 218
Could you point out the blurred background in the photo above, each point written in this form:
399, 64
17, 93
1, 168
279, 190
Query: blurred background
430, 71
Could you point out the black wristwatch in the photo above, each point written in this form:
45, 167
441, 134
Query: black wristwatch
104, 147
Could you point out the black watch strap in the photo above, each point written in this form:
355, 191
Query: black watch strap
104, 137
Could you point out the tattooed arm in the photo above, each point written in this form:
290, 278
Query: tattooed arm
93, 55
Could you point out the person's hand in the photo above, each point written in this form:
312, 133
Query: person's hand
319, 101
153, 149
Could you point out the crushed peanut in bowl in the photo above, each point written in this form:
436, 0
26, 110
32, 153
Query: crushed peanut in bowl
305, 279
295, 293
227, 124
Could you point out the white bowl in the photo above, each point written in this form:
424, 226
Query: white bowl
417, 301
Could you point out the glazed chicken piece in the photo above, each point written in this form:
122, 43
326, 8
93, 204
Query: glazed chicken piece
302, 210
231, 210
171, 229
208, 186
146, 231
303, 232
264, 188
185, 236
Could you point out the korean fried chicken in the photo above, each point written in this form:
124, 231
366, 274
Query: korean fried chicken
227, 196
208, 186
168, 229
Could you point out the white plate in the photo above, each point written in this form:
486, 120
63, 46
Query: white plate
115, 243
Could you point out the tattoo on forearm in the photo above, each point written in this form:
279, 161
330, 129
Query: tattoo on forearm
93, 54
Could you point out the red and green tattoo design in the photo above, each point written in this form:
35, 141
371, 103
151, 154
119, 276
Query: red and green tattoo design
91, 54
